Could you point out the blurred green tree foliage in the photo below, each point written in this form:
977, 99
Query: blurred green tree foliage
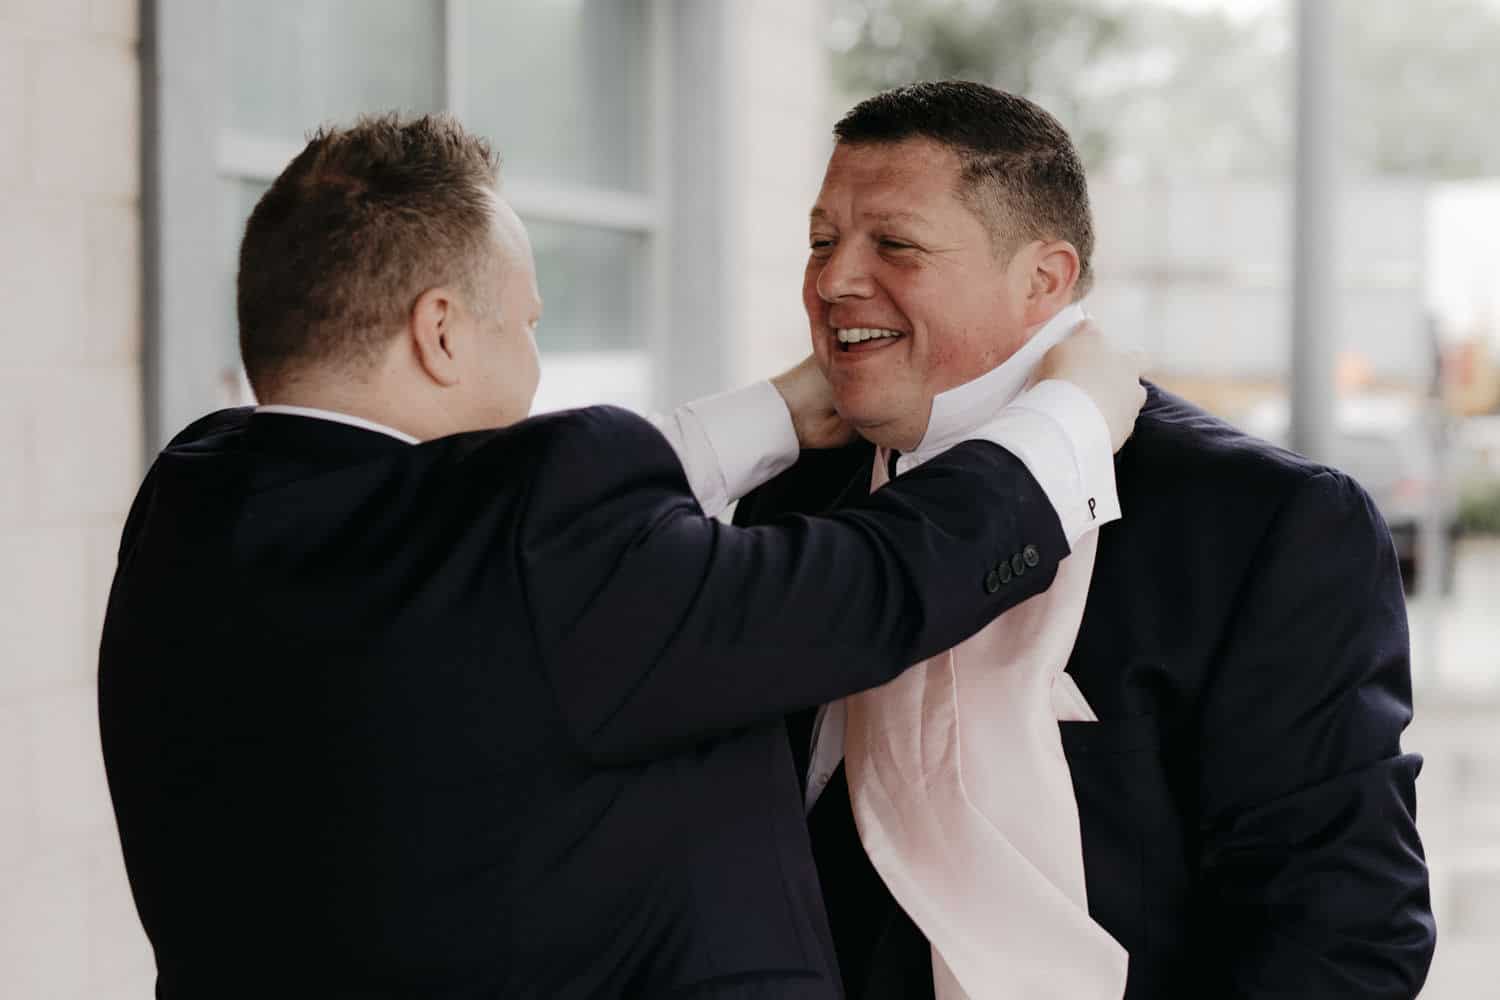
1152, 88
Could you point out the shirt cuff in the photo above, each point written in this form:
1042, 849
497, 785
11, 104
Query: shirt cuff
1058, 433
731, 443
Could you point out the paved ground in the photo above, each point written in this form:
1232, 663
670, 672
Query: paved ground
1456, 661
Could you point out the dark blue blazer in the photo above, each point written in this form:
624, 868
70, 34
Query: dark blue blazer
500, 715
1247, 809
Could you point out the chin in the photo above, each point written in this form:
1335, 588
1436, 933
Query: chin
873, 425
881, 420
856, 410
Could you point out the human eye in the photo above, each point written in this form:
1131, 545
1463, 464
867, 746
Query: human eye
891, 243
821, 246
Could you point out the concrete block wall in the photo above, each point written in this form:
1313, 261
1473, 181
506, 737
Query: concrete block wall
71, 434
70, 459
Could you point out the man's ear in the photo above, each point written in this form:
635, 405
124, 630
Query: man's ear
1051, 277
434, 336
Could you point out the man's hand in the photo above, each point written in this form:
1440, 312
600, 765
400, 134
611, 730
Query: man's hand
809, 397
1111, 376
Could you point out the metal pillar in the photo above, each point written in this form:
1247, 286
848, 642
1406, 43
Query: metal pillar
1315, 270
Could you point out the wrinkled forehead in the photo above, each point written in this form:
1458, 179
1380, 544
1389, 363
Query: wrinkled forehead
913, 176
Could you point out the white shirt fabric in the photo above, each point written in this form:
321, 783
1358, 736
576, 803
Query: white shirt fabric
1055, 429
733, 442
338, 418
728, 444
957, 779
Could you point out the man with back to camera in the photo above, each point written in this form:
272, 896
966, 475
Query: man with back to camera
1211, 799
402, 694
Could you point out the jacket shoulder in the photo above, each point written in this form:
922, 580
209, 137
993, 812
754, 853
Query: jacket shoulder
1179, 449
212, 426
590, 429
596, 444
1176, 436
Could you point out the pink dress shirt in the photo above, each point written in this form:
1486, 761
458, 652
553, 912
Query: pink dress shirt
960, 789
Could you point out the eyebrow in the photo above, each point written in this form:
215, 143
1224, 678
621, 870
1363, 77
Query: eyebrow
894, 215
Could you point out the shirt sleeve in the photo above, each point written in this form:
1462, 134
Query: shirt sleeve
656, 627
731, 443
1058, 433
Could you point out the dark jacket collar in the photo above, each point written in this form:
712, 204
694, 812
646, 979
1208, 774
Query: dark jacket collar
312, 437
858, 485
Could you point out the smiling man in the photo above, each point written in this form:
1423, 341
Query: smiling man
403, 693
1185, 756
906, 294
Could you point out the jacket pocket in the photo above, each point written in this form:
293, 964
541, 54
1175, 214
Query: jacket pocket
1134, 855
1109, 736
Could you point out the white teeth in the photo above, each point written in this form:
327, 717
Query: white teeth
854, 335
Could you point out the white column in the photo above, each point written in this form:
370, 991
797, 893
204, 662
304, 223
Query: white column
1315, 264
750, 137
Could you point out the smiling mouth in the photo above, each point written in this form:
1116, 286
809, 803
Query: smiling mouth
860, 339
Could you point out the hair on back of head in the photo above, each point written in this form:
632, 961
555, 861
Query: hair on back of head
1019, 171
362, 222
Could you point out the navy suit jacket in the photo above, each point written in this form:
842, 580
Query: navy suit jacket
500, 715
1247, 810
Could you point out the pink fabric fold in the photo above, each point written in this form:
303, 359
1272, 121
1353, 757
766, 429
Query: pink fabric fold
964, 802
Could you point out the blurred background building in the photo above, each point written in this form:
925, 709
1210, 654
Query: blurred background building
663, 154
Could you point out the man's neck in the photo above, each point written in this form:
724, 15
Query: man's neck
960, 411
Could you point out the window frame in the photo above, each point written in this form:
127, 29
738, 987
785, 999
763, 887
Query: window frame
189, 152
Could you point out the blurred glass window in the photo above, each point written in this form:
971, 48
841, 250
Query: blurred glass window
562, 88
292, 64
592, 280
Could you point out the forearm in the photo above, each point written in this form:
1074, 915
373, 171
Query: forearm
697, 628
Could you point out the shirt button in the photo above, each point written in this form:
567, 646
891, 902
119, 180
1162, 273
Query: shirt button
992, 582
1018, 564
1032, 556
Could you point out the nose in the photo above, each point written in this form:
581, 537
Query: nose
844, 275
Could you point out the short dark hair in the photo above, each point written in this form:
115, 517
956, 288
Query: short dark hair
1019, 171
363, 221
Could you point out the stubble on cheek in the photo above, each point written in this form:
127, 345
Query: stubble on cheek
954, 360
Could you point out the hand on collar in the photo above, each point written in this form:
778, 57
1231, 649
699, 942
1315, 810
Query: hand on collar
960, 411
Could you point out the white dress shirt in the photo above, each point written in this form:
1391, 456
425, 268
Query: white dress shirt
728, 444
1055, 429
957, 779
733, 442
339, 418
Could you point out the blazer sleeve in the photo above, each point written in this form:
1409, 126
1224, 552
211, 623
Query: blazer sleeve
659, 627
1311, 870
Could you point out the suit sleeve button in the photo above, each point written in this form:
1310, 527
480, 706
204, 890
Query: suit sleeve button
1032, 556
1017, 564
1004, 572
992, 582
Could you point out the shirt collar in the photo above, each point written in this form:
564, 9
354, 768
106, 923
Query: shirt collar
957, 413
338, 418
